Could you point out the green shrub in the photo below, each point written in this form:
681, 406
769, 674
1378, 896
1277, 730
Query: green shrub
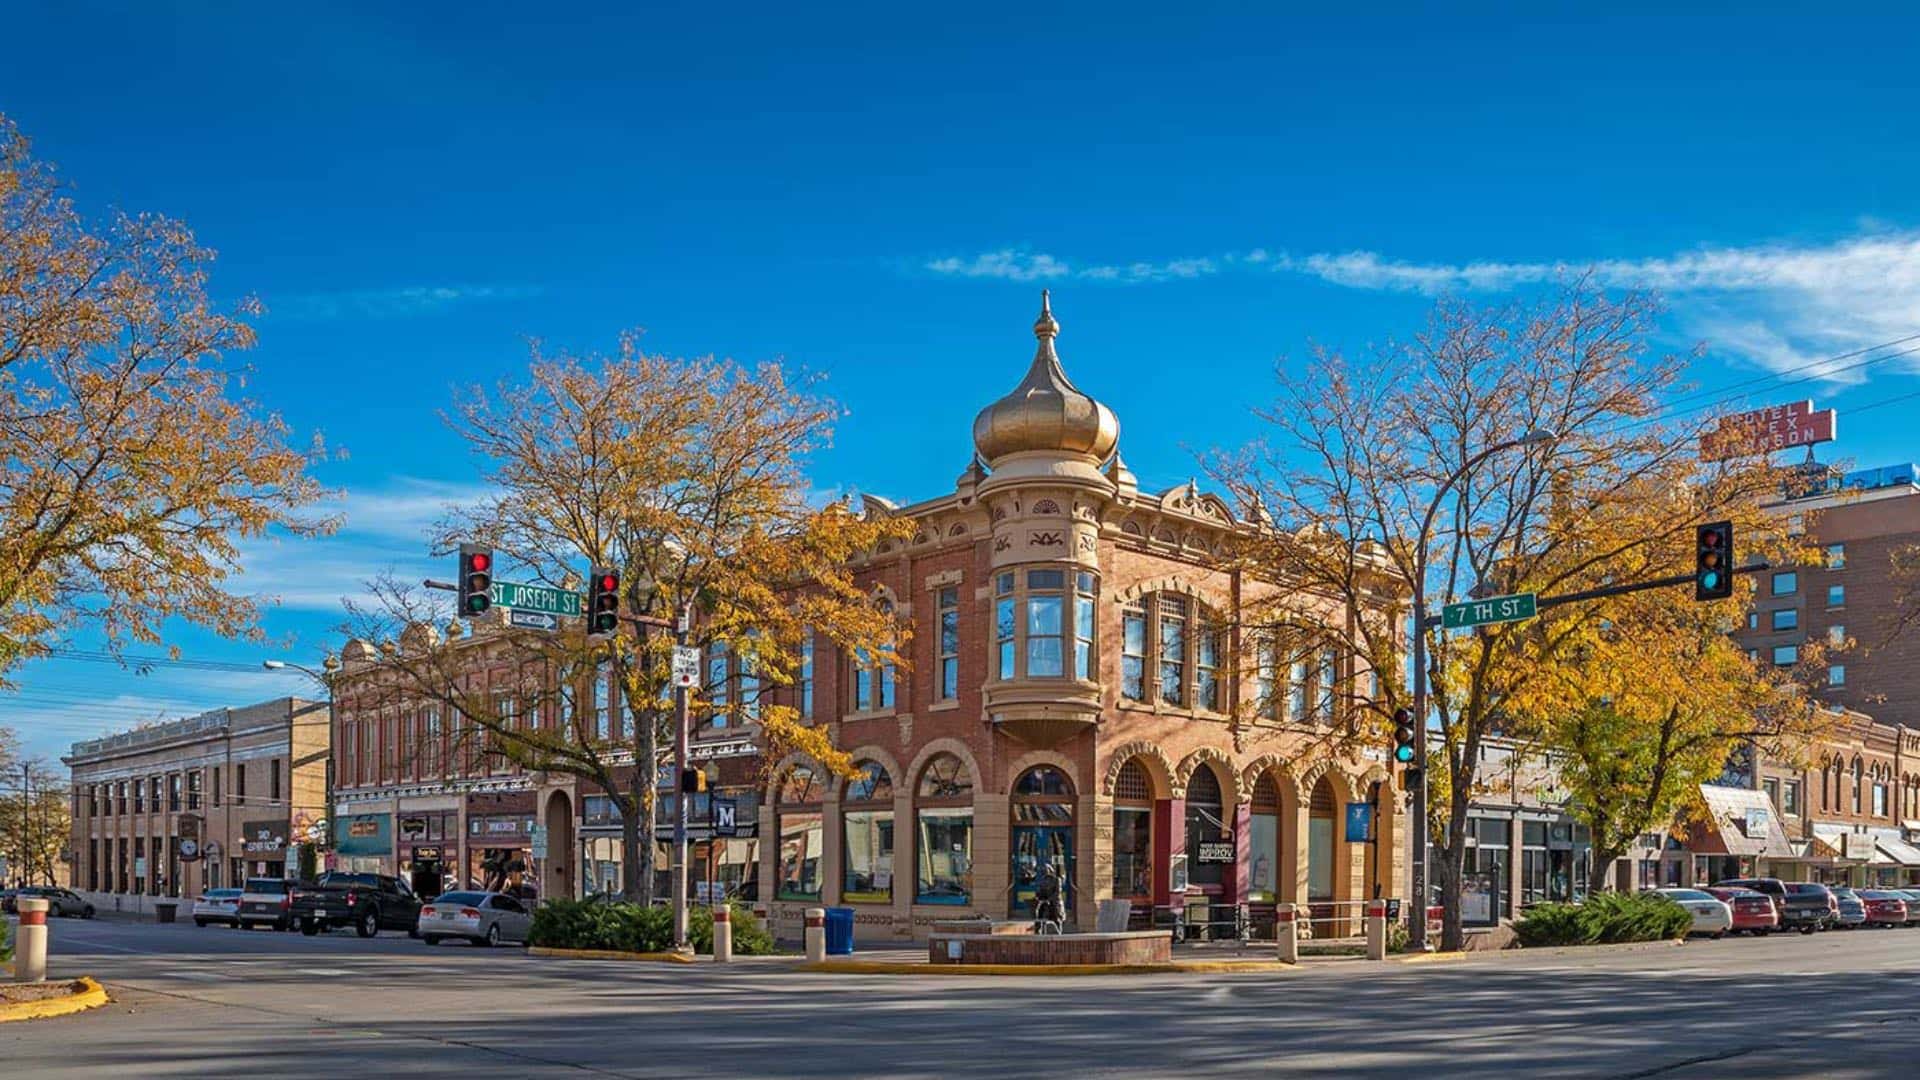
1604, 919
579, 924
6, 943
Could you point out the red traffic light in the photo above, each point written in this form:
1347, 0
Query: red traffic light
609, 583
479, 561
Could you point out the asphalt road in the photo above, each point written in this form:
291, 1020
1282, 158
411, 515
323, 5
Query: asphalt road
216, 1002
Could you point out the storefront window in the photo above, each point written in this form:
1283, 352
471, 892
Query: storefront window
1320, 842
1041, 837
1132, 832
1491, 856
1207, 830
867, 837
799, 822
943, 855
1263, 842
1533, 862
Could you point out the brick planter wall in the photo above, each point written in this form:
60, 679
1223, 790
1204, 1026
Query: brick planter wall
1128, 948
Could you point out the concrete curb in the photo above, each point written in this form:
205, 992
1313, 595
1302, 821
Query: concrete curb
1561, 950
1178, 967
87, 994
611, 954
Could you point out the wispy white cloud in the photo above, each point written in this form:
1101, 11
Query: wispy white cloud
1779, 306
389, 303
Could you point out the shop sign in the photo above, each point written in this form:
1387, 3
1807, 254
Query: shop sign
424, 853
1762, 431
1756, 823
723, 813
1359, 822
264, 836
539, 842
1216, 851
366, 834
413, 828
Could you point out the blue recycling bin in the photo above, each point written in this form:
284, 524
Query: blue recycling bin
839, 931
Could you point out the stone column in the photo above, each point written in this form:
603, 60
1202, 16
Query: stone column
906, 847
991, 852
1239, 879
832, 835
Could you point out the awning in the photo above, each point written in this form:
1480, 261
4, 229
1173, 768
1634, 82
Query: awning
1898, 850
1743, 822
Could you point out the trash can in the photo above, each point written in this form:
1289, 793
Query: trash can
839, 931
164, 912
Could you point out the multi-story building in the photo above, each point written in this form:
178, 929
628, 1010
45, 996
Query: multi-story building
1524, 844
1080, 691
171, 809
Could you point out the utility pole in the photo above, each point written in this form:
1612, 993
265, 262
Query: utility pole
680, 725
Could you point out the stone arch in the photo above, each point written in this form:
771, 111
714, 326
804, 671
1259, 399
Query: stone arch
1028, 760
1169, 583
1306, 780
1274, 764
959, 529
929, 752
1231, 792
1159, 769
869, 752
778, 772
1131, 528
1046, 506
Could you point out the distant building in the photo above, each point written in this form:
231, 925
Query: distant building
173, 809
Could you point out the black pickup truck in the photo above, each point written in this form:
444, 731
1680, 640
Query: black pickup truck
369, 903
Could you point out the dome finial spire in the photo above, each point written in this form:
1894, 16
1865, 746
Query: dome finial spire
1044, 327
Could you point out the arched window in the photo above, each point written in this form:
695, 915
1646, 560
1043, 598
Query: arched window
1133, 833
1859, 784
1042, 835
943, 842
797, 816
1209, 833
866, 815
1263, 854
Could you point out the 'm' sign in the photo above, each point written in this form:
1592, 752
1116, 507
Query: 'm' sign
1762, 431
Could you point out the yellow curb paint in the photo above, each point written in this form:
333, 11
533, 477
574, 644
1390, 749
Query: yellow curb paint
1192, 967
1431, 958
610, 954
87, 994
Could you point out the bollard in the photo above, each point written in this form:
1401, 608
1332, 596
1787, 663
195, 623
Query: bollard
1288, 933
1376, 929
30, 943
722, 934
816, 935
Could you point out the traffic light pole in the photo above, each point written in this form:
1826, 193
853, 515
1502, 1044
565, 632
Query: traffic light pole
680, 726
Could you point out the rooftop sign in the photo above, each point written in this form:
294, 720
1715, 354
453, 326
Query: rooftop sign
1762, 431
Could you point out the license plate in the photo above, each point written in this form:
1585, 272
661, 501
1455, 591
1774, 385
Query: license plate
449, 915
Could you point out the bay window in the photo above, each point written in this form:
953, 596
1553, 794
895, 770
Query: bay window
1044, 624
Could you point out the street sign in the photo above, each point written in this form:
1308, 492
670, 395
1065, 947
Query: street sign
723, 815
1359, 822
531, 620
512, 594
686, 666
1494, 609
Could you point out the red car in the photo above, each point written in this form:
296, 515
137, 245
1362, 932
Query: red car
1753, 911
1884, 907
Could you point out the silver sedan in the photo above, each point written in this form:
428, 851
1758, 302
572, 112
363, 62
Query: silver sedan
483, 918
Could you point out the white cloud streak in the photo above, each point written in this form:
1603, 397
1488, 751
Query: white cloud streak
390, 303
1777, 306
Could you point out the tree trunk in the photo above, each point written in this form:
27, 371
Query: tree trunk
1453, 857
646, 772
633, 881
1603, 860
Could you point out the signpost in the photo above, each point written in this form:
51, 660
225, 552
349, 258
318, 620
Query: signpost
512, 594
1494, 609
686, 666
532, 620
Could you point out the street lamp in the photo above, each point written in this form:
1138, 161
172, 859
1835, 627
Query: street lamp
1417, 929
329, 670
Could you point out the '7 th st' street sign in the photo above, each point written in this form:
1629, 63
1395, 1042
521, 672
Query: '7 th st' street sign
1494, 609
510, 594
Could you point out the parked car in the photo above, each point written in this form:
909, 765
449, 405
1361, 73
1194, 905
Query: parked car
1810, 907
1711, 916
62, 902
1753, 912
369, 903
1851, 909
217, 906
483, 918
1772, 888
266, 902
1912, 897
1885, 907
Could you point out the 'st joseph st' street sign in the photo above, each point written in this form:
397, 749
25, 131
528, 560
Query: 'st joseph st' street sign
509, 594
1494, 609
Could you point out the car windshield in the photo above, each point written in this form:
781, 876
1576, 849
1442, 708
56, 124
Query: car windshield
1879, 894
222, 894
1685, 894
1806, 889
266, 885
471, 899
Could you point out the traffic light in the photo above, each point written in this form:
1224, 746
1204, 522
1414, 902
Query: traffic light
475, 578
1713, 561
603, 601
693, 781
1404, 734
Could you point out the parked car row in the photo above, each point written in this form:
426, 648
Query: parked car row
369, 903
1769, 905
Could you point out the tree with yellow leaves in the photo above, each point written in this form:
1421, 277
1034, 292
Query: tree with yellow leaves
129, 475
687, 478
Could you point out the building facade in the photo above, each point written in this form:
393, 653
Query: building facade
173, 809
1079, 690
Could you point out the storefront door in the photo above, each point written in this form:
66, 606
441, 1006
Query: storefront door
1035, 846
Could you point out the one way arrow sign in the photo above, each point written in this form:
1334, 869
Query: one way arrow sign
532, 620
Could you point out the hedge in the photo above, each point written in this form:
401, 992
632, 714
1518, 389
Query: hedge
1605, 919
581, 924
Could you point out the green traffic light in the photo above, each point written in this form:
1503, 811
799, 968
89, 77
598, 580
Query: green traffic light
1710, 579
1403, 753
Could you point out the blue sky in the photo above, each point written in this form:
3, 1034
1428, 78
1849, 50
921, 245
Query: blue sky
879, 195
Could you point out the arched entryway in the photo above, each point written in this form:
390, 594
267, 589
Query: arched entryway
1210, 850
1263, 852
1133, 851
1323, 852
556, 866
1042, 834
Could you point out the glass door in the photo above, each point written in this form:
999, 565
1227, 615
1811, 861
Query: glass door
1035, 846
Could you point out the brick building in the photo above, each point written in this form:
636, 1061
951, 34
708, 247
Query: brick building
172, 809
1078, 692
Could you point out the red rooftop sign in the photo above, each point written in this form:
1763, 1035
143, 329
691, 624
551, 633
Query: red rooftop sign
1762, 431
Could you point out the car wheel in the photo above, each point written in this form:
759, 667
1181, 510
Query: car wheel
1717, 934
493, 935
369, 923
201, 923
431, 939
87, 912
310, 928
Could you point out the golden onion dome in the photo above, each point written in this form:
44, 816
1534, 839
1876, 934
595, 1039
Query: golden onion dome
1046, 412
